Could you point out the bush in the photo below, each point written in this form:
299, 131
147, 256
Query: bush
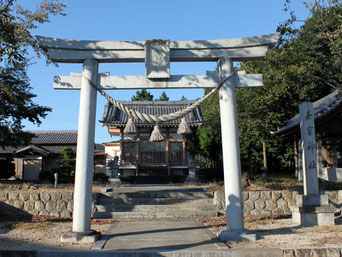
46, 176
66, 163
210, 175
100, 177
6, 168
329, 185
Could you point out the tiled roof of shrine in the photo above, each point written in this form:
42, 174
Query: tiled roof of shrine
113, 116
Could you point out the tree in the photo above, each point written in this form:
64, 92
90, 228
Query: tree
183, 98
298, 69
99, 147
323, 34
142, 95
6, 168
210, 132
295, 70
163, 97
16, 100
66, 162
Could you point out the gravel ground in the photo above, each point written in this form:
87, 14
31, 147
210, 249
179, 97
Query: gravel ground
278, 231
272, 232
40, 235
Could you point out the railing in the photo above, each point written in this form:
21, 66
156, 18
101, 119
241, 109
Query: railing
152, 157
176, 157
129, 158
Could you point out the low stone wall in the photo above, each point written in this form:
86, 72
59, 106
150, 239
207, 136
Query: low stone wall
59, 203
52, 202
272, 202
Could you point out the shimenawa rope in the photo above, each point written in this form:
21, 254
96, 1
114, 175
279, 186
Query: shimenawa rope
159, 119
156, 135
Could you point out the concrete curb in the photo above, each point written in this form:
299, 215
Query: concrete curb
103, 239
219, 253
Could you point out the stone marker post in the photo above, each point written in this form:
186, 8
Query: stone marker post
192, 177
308, 136
311, 208
113, 168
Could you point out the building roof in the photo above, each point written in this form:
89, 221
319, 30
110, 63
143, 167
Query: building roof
113, 116
55, 137
324, 109
46, 142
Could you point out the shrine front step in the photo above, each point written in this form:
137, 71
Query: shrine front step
156, 208
152, 201
161, 204
191, 194
175, 214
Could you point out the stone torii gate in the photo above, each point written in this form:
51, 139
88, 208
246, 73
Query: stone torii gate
157, 55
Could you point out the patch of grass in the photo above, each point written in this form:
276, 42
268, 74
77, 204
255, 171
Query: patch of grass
329, 185
34, 226
276, 182
8, 226
216, 186
262, 218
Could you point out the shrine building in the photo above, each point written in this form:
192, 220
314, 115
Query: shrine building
141, 157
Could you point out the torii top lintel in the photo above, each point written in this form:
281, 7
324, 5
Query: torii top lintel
238, 49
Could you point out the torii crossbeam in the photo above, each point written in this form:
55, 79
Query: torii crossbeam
157, 55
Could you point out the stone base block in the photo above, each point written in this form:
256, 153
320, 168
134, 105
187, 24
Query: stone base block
115, 181
106, 190
80, 237
312, 200
237, 235
191, 179
313, 215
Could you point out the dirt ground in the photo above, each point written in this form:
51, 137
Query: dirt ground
272, 232
278, 231
42, 232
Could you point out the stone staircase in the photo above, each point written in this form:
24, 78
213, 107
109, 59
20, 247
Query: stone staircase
155, 202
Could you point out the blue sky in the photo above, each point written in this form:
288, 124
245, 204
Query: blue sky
137, 20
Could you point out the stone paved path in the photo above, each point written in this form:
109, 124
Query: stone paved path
159, 236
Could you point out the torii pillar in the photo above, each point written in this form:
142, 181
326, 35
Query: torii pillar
81, 231
231, 158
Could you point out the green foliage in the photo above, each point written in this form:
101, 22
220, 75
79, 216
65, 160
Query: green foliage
297, 69
142, 95
99, 147
318, 43
276, 182
6, 168
66, 162
329, 185
100, 177
46, 176
293, 72
183, 98
16, 102
163, 97
210, 132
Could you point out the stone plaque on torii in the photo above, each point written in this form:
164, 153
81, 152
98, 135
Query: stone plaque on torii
157, 55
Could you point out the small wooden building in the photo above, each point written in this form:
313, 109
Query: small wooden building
139, 156
41, 154
328, 127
